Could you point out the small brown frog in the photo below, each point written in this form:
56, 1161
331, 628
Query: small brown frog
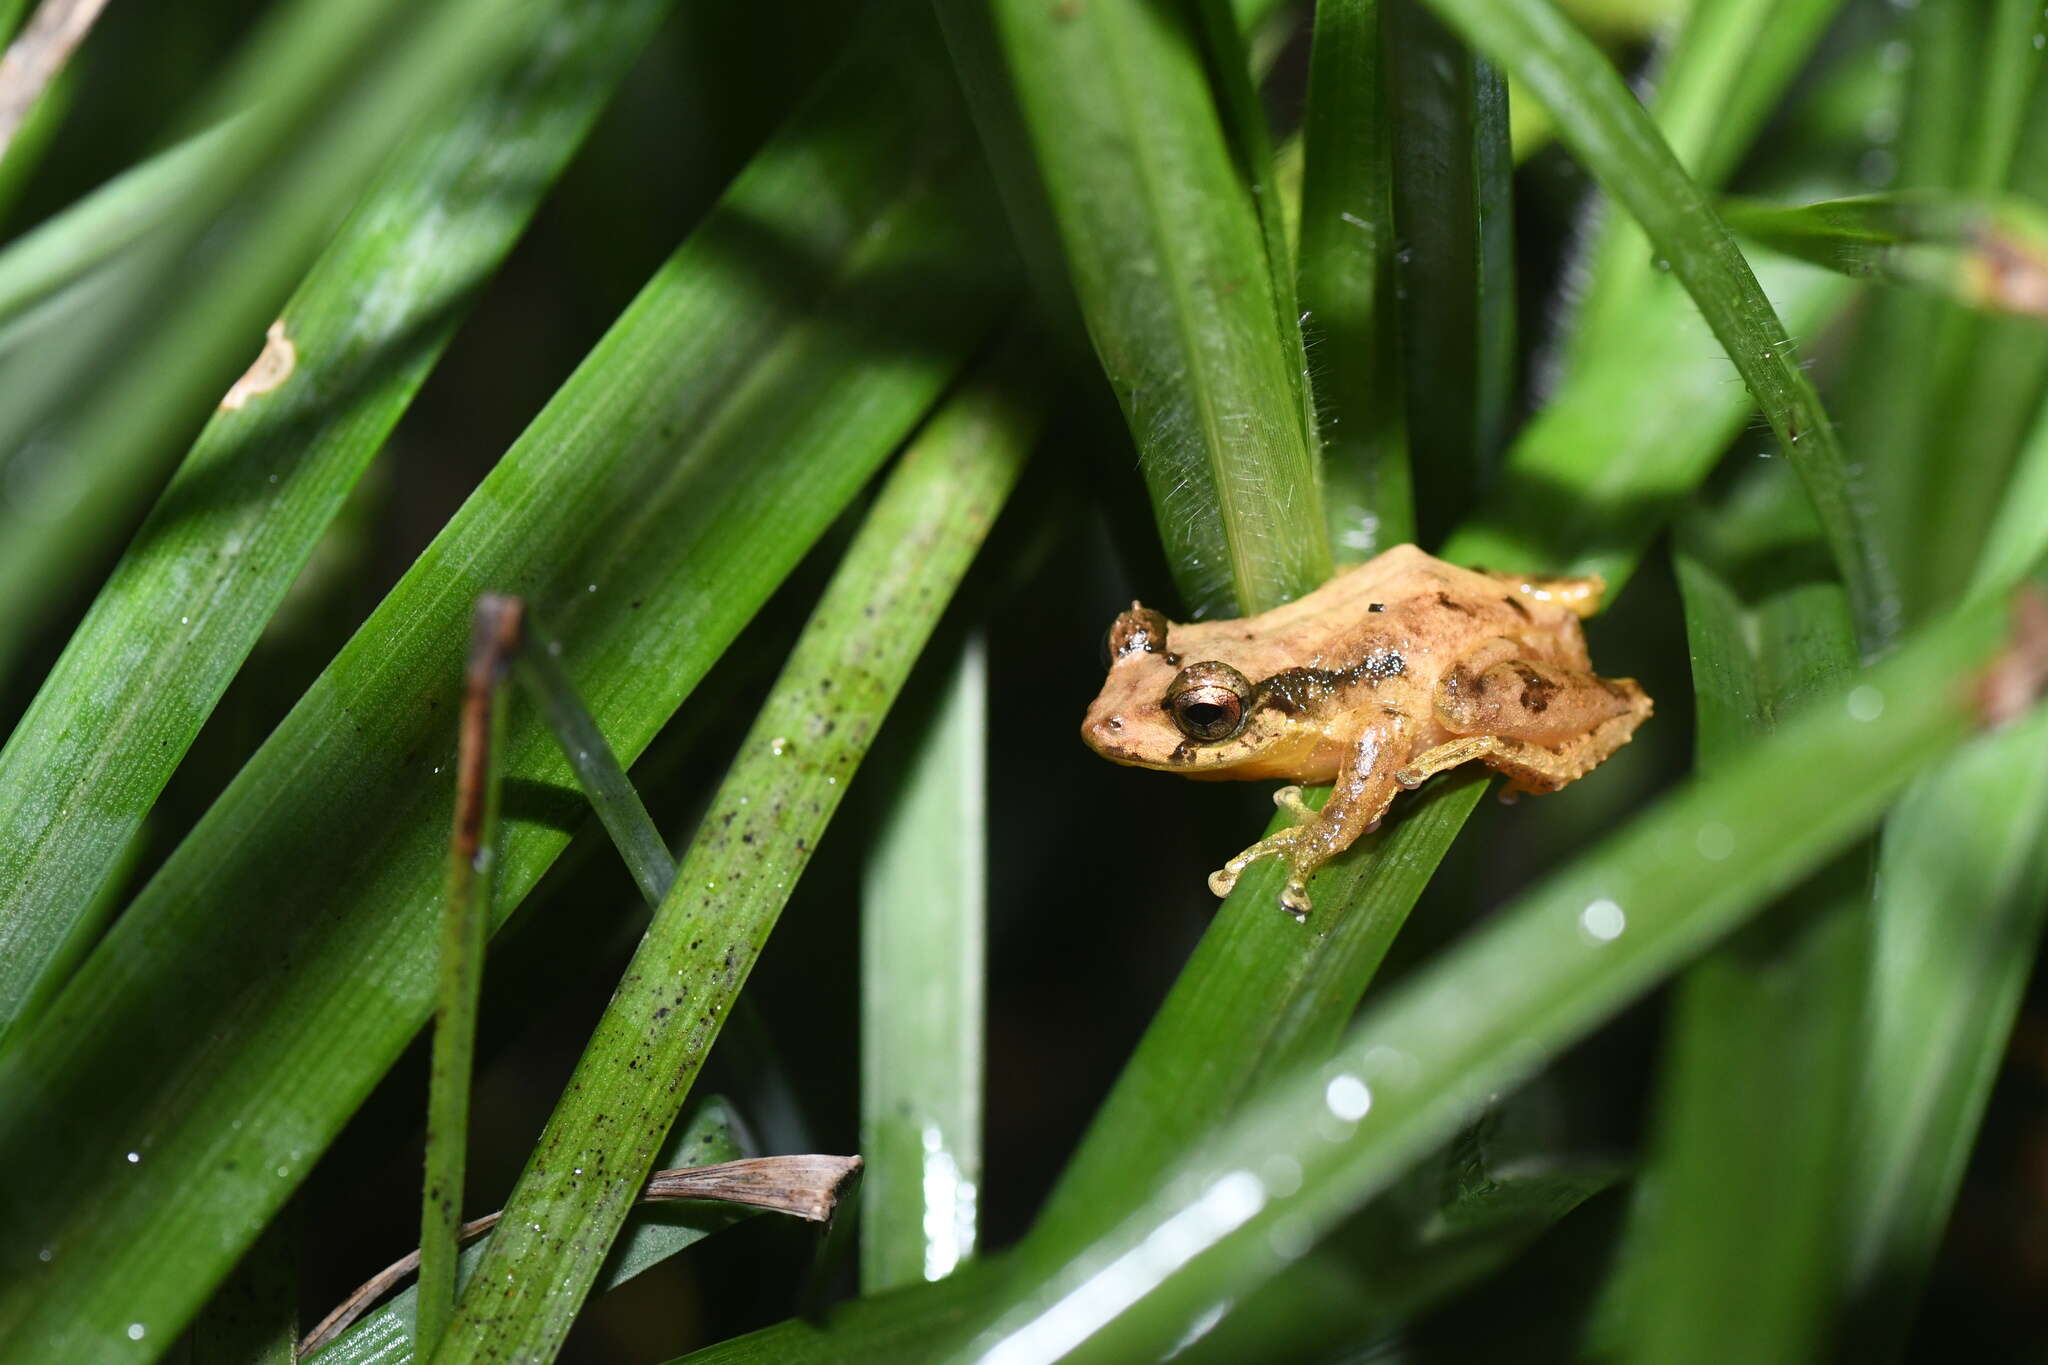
1399, 668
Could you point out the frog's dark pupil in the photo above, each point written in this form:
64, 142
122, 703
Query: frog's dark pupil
1206, 715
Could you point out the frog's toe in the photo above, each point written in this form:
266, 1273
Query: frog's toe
1289, 800
1294, 898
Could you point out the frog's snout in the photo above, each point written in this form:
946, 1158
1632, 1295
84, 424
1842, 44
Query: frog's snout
1103, 731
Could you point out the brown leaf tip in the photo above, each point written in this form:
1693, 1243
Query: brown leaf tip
2018, 677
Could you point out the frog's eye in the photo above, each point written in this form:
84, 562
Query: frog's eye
1209, 701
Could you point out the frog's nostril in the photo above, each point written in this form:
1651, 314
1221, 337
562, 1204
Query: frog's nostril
1113, 723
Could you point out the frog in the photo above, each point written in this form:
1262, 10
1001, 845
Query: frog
1394, 670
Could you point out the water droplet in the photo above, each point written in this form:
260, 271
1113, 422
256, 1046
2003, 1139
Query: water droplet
184, 620
591, 588
46, 1255
1348, 1097
1603, 921
778, 746
1661, 265
136, 1331
1864, 703
1714, 841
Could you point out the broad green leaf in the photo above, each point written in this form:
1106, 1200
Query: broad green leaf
279, 961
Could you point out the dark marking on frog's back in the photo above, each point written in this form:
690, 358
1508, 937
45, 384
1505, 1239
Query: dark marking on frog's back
1450, 603
1537, 690
1520, 610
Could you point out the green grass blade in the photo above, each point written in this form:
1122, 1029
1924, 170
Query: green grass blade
89, 421
1347, 284
85, 237
466, 919
598, 770
1168, 258
923, 943
1453, 209
254, 1319
755, 840
654, 1232
1565, 956
1609, 132
728, 417
1712, 95
260, 486
1739, 1247
1595, 475
1988, 254
1963, 893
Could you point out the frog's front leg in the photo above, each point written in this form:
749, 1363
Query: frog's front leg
1364, 788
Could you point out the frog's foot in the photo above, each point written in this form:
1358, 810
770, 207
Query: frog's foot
1296, 843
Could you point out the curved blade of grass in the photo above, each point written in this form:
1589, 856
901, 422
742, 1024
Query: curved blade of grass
1740, 1241
1963, 892
924, 936
1608, 131
181, 611
1453, 209
1988, 254
1716, 86
88, 419
653, 1233
1347, 284
754, 842
1568, 954
1168, 258
85, 237
726, 419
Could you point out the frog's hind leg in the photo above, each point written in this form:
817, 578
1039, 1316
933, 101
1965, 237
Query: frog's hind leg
1541, 724
1580, 596
1365, 787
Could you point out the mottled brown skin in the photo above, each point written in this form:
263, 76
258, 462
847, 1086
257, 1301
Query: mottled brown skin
1399, 668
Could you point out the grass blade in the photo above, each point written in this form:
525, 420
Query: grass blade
1597, 473
1168, 258
655, 1232
1990, 255
1453, 200
466, 918
1609, 132
86, 422
1711, 99
1945, 987
182, 609
1566, 955
923, 943
728, 417
754, 842
1347, 284
1739, 1246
